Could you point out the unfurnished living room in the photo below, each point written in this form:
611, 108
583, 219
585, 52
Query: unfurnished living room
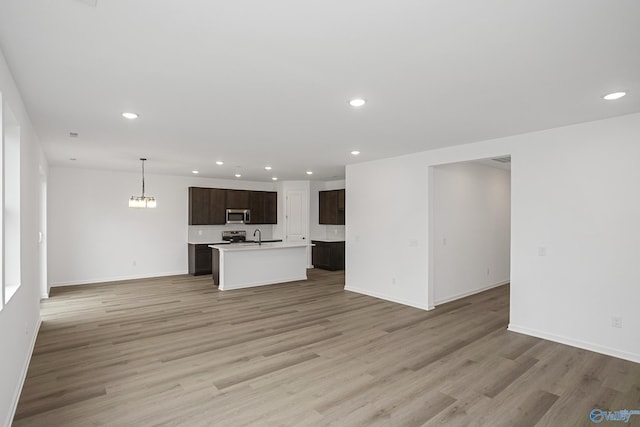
412, 213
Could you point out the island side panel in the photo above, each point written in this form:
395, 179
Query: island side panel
248, 268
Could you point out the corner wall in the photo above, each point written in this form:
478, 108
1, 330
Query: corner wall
574, 231
20, 317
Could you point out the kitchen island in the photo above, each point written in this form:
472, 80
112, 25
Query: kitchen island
245, 265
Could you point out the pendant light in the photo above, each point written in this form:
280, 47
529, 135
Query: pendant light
142, 201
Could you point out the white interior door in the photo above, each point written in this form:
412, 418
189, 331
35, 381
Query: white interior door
297, 216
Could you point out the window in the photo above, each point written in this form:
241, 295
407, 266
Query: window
1, 207
11, 259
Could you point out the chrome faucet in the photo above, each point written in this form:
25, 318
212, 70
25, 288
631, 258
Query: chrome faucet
259, 235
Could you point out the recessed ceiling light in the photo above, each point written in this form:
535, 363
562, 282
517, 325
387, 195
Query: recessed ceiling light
238, 175
614, 95
355, 152
196, 172
275, 178
130, 116
219, 163
309, 173
357, 102
268, 168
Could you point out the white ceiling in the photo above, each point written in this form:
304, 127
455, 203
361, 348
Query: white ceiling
256, 83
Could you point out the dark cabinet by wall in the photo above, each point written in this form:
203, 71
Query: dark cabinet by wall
199, 202
199, 259
207, 206
327, 255
264, 207
331, 207
198, 205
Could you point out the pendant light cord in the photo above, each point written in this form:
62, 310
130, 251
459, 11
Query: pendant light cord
143, 177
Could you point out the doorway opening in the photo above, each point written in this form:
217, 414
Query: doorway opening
42, 234
470, 227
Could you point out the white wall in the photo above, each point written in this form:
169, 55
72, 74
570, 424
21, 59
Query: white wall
471, 229
20, 317
574, 195
101, 240
386, 231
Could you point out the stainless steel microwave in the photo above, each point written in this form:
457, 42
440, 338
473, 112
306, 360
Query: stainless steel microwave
238, 216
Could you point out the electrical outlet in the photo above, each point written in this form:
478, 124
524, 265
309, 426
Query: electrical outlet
616, 322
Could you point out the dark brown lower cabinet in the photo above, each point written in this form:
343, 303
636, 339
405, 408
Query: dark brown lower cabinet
327, 255
199, 259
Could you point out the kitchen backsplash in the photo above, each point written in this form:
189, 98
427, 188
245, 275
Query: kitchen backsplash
328, 232
213, 233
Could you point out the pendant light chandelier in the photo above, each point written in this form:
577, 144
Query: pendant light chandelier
142, 201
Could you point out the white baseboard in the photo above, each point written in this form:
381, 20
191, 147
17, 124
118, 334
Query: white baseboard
620, 354
117, 278
23, 375
469, 293
388, 298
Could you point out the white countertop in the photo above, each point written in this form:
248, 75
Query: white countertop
226, 242
254, 246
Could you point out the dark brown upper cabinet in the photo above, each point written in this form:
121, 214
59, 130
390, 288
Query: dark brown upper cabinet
208, 206
238, 199
264, 207
217, 206
198, 206
331, 207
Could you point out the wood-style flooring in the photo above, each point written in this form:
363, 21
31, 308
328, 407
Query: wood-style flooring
176, 351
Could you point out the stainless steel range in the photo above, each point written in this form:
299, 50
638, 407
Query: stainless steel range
234, 236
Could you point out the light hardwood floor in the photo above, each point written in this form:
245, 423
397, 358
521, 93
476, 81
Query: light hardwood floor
176, 351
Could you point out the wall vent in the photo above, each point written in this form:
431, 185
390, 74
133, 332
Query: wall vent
92, 3
505, 159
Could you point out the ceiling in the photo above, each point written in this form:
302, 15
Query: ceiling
258, 83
